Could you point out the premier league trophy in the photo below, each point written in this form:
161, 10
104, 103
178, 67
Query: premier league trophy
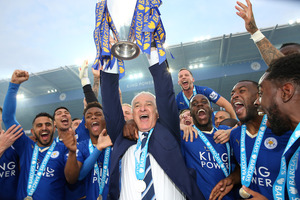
135, 26
122, 14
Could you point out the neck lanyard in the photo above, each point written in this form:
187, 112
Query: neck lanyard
248, 169
141, 163
34, 179
215, 153
187, 101
104, 167
283, 177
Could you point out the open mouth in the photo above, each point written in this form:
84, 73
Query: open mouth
239, 107
95, 126
45, 136
201, 113
188, 122
65, 121
144, 117
184, 83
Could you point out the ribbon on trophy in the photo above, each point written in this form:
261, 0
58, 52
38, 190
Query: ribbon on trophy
103, 26
147, 22
146, 26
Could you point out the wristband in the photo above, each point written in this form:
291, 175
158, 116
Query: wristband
257, 36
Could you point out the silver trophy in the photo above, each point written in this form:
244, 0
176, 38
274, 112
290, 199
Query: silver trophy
121, 12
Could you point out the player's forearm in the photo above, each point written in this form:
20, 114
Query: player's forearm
268, 51
10, 105
89, 164
96, 86
72, 168
236, 175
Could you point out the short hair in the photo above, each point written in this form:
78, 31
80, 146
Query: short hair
126, 104
1, 109
183, 110
142, 93
286, 68
229, 122
289, 44
42, 114
76, 118
253, 82
92, 105
186, 70
61, 107
223, 111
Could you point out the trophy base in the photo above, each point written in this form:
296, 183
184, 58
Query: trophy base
125, 50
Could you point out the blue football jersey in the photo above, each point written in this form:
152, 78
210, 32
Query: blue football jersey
91, 180
9, 174
199, 157
268, 160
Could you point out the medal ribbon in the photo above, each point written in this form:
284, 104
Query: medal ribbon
34, 179
104, 167
215, 153
282, 178
186, 99
247, 171
141, 163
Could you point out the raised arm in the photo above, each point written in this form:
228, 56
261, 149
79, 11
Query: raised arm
266, 49
10, 102
222, 102
112, 108
165, 96
72, 167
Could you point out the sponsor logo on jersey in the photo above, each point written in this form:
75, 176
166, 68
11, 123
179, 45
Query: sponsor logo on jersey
213, 96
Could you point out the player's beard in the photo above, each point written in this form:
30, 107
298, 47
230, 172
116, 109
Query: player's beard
279, 125
43, 143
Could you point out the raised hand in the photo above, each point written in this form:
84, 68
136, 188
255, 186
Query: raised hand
8, 137
19, 76
69, 140
104, 140
246, 13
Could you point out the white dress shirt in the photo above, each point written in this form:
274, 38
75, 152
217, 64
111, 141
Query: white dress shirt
164, 187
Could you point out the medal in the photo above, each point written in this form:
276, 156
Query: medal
100, 197
140, 185
28, 198
244, 194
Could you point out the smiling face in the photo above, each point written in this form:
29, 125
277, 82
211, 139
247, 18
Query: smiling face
186, 118
145, 112
94, 121
270, 101
243, 96
62, 119
127, 112
220, 116
43, 130
201, 112
185, 79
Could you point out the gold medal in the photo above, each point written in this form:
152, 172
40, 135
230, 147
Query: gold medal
244, 194
100, 197
140, 185
28, 198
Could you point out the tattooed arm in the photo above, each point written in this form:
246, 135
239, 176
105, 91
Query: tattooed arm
96, 84
266, 49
